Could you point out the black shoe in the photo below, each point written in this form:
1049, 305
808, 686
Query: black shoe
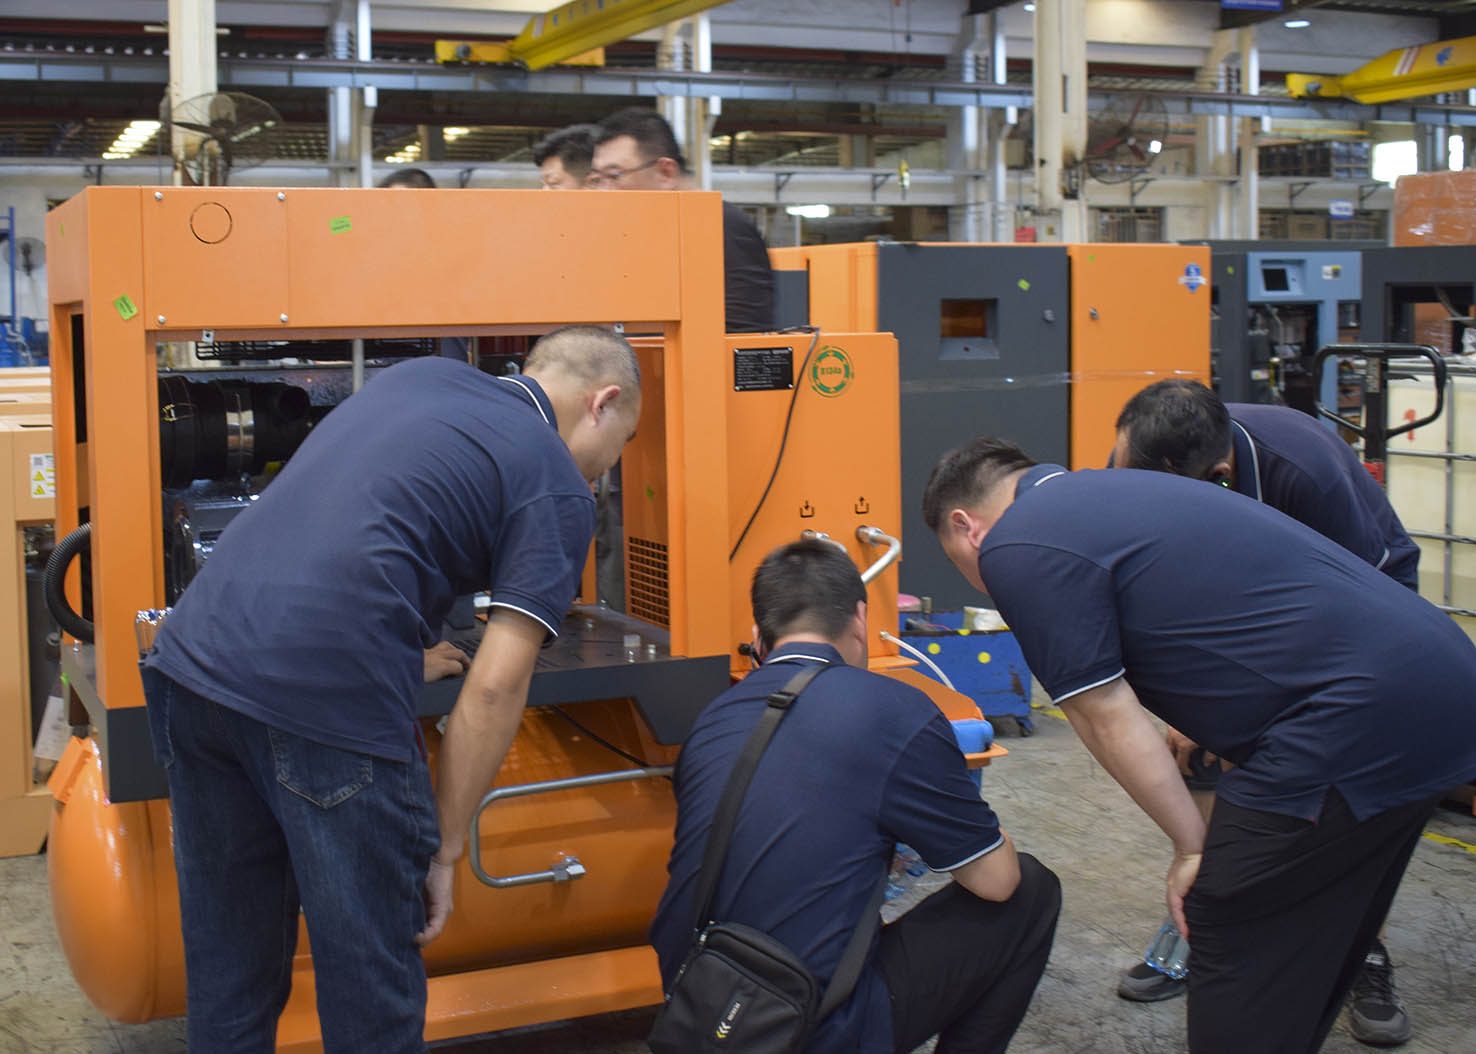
1375, 1013
1144, 984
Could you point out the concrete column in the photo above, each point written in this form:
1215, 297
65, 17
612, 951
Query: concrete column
192, 51
432, 142
1432, 143
1074, 122
704, 111
1001, 122
1213, 156
672, 54
366, 100
967, 218
1060, 112
341, 118
1247, 212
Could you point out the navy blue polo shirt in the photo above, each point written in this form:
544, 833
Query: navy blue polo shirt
434, 480
1249, 632
1288, 460
860, 762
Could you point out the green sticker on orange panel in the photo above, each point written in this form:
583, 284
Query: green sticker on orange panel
339, 224
1024, 285
650, 493
831, 373
125, 307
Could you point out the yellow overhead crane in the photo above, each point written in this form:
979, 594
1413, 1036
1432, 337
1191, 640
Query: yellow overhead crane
576, 32
1404, 73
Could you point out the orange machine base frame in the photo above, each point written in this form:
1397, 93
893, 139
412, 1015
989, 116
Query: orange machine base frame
503, 997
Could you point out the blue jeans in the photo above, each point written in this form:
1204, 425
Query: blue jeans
265, 823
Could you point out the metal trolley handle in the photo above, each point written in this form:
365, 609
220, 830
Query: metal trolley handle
1384, 352
568, 867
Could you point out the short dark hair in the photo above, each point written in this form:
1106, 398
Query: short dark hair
966, 475
596, 355
416, 178
1175, 426
653, 136
808, 586
573, 146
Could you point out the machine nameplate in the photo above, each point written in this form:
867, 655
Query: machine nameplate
763, 369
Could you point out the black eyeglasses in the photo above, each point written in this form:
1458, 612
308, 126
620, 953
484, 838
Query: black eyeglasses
611, 176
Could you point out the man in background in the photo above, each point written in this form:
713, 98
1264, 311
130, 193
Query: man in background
636, 150
564, 157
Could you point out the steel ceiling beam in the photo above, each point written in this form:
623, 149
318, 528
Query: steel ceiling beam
248, 74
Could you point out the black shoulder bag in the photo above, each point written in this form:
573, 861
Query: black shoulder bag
739, 989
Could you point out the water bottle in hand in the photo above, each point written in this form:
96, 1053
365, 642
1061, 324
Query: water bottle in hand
1169, 952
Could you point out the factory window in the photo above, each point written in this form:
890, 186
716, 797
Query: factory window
1129, 225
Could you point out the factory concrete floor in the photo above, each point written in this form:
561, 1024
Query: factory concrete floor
1056, 802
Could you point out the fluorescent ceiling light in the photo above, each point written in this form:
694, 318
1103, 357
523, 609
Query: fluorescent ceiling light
455, 132
1155, 146
1296, 23
156, 27
1029, 7
809, 212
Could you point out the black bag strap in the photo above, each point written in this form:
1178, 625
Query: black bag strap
726, 815
848, 970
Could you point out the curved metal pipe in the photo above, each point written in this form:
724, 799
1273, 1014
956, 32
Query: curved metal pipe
568, 867
877, 536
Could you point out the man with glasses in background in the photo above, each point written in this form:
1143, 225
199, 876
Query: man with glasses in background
636, 149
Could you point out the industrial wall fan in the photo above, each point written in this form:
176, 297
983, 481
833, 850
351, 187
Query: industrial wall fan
1123, 139
223, 132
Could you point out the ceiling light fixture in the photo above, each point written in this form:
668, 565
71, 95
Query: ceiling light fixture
1296, 23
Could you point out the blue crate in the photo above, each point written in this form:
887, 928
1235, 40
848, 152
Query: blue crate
985, 665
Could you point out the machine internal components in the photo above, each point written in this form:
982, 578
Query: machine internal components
224, 429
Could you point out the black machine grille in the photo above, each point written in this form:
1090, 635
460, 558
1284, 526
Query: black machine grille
314, 350
648, 596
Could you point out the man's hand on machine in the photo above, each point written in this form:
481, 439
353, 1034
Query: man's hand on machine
445, 660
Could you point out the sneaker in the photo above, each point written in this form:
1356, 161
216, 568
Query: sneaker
1144, 984
1375, 1013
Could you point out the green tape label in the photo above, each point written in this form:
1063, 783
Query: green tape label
339, 224
1024, 285
125, 307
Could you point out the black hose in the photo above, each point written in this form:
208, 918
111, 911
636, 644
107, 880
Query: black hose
54, 581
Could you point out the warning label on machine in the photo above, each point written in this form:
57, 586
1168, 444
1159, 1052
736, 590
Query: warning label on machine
763, 369
43, 476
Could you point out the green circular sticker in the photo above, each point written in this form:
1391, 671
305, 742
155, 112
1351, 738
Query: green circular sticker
831, 372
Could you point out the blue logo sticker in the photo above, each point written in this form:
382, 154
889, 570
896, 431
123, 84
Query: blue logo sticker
1442, 56
1192, 277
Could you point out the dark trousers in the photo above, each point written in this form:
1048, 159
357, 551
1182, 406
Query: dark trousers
964, 969
265, 823
1280, 918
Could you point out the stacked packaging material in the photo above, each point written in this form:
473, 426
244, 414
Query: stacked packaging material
1435, 208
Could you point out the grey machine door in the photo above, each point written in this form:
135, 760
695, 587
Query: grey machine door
983, 337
